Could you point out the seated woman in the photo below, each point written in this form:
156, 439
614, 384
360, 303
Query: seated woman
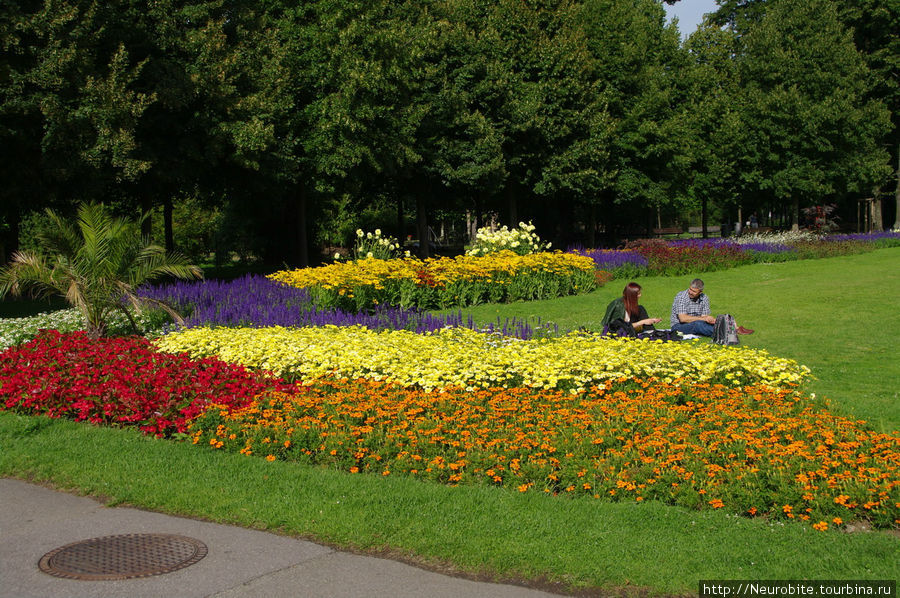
628, 309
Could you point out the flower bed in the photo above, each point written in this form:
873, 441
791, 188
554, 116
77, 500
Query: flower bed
14, 331
687, 256
750, 450
260, 302
121, 381
443, 282
470, 359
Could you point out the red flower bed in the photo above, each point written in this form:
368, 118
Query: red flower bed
120, 381
688, 256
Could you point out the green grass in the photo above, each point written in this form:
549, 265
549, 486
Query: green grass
836, 315
839, 316
575, 543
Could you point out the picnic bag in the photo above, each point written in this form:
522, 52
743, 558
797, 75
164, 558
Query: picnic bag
725, 331
620, 327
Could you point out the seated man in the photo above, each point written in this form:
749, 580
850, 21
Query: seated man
691, 312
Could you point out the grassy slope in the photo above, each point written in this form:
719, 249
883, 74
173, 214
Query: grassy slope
839, 316
577, 543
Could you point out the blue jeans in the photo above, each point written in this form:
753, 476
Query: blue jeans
698, 327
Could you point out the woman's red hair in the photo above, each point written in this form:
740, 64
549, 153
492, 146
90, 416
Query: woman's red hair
631, 292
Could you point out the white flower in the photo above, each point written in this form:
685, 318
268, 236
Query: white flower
337, 256
369, 254
377, 232
359, 232
368, 235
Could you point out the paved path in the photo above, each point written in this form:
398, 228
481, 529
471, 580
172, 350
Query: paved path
35, 520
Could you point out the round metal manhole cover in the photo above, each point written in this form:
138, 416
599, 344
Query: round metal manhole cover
123, 557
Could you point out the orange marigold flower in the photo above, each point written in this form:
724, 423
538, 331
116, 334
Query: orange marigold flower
821, 526
717, 503
837, 521
270, 457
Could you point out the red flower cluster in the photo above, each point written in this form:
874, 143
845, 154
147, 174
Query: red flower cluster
122, 381
697, 255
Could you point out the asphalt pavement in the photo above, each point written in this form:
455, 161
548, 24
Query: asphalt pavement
36, 521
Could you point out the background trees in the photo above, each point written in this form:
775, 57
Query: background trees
274, 128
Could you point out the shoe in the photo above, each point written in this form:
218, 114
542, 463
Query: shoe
742, 330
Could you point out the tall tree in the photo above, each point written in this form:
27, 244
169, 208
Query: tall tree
812, 130
713, 119
638, 62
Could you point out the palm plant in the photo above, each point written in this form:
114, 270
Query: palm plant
97, 264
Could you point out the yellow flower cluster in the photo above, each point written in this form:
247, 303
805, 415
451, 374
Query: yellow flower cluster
444, 281
441, 270
469, 359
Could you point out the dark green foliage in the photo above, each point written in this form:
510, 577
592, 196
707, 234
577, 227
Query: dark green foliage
294, 124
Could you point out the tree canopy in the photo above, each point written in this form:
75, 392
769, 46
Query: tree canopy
296, 123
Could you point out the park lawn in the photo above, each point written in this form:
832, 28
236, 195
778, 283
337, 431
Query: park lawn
799, 309
839, 316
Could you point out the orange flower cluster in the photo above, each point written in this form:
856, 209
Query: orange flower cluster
751, 450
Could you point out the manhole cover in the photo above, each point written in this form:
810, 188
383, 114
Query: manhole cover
122, 557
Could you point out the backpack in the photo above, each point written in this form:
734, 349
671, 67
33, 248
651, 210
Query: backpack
620, 327
725, 331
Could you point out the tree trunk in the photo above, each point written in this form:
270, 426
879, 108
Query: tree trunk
897, 194
512, 207
704, 216
300, 223
9, 242
401, 223
795, 214
877, 225
422, 225
591, 241
167, 224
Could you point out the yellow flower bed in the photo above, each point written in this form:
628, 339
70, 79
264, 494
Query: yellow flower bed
444, 281
469, 359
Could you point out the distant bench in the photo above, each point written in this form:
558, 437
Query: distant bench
672, 230
710, 230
